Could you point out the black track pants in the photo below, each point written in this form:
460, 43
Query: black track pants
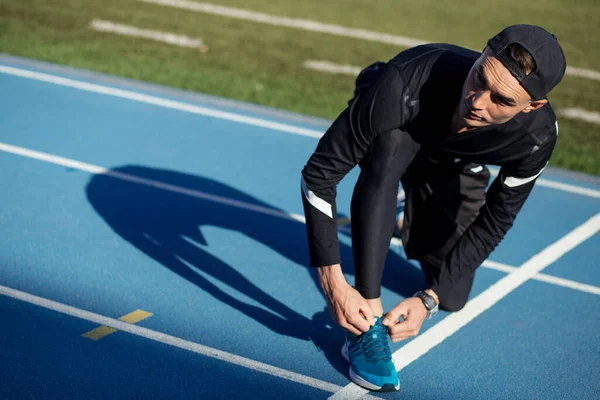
442, 200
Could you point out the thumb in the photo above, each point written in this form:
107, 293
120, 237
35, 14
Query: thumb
368, 314
391, 317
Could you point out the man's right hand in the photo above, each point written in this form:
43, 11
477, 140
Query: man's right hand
347, 307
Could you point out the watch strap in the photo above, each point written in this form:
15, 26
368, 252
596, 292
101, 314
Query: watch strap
429, 302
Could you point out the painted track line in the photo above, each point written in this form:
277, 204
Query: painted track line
581, 114
185, 107
315, 26
169, 340
565, 187
583, 73
346, 69
331, 67
158, 36
157, 101
554, 280
334, 68
453, 322
471, 311
94, 169
274, 20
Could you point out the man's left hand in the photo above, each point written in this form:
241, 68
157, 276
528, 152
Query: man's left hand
413, 313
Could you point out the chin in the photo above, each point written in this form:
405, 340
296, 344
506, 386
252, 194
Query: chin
484, 122
474, 124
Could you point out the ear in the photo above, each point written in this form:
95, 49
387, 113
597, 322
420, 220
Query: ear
534, 105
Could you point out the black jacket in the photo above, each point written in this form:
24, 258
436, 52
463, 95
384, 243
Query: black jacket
417, 92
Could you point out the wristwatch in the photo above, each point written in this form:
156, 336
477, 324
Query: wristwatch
429, 302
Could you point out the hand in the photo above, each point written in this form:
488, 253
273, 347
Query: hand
347, 307
413, 313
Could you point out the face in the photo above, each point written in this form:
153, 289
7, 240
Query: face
492, 95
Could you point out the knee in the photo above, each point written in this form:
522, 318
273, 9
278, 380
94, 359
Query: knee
390, 153
453, 303
454, 298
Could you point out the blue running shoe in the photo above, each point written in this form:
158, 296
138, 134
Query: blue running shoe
370, 359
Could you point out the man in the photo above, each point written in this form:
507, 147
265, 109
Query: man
430, 117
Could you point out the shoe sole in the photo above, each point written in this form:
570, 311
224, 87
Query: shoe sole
388, 387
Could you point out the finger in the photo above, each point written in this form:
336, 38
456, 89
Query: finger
397, 329
396, 339
352, 330
366, 311
391, 317
404, 335
402, 328
359, 323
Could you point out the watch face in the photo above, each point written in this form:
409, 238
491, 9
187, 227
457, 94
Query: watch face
429, 301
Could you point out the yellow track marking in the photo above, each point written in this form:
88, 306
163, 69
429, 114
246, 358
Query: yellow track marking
102, 331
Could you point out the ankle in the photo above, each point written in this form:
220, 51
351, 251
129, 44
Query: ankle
376, 306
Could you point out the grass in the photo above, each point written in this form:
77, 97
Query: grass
263, 64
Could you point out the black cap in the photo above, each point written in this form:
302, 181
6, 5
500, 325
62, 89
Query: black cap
544, 48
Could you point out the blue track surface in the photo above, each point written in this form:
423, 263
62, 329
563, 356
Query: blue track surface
230, 272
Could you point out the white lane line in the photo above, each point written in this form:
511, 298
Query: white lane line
582, 287
565, 187
169, 340
329, 67
489, 264
304, 24
581, 114
184, 107
453, 322
583, 73
189, 192
94, 169
158, 36
157, 101
498, 266
554, 280
332, 68
315, 26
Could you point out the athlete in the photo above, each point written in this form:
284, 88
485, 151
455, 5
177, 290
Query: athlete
432, 117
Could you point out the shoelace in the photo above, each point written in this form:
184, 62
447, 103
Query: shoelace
374, 343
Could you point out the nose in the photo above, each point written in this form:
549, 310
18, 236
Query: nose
480, 99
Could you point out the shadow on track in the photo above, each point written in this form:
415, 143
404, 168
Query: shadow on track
167, 226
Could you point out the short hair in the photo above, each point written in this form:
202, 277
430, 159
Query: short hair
522, 57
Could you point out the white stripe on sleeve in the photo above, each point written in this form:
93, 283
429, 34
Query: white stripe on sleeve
316, 201
511, 181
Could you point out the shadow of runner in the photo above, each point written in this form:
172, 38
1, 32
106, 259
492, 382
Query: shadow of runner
166, 226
